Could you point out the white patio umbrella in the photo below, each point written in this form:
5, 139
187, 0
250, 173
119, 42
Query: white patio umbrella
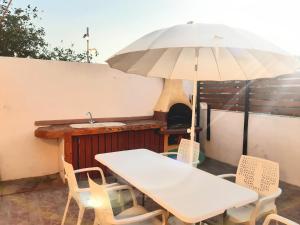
203, 52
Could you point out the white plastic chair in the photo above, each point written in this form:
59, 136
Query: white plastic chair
183, 152
262, 176
80, 195
278, 218
135, 215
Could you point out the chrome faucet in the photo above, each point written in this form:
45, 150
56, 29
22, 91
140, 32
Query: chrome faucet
91, 120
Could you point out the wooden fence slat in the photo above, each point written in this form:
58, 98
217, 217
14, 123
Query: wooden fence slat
81, 151
108, 141
280, 103
131, 140
222, 90
224, 101
272, 96
276, 110
282, 89
223, 95
95, 148
242, 82
75, 151
276, 82
222, 85
227, 107
114, 142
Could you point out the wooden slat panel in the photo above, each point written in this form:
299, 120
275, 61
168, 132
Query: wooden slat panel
75, 152
275, 82
222, 90
227, 107
288, 76
141, 139
280, 103
114, 142
131, 140
282, 89
276, 111
108, 143
161, 143
280, 95
95, 148
152, 140
123, 141
224, 101
272, 96
147, 139
216, 95
222, 85
102, 143
81, 151
157, 142
88, 151
242, 82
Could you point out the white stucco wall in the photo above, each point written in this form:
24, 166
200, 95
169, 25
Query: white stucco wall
272, 137
33, 90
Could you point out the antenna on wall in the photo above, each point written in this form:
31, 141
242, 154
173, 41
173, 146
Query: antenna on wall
88, 49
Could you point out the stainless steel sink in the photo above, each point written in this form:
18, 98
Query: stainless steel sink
95, 125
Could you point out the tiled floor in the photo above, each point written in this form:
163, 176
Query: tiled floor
42, 201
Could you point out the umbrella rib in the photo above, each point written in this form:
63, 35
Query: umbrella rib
158, 58
176, 61
136, 61
216, 63
237, 62
258, 60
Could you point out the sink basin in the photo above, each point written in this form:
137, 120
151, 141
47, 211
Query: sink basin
95, 125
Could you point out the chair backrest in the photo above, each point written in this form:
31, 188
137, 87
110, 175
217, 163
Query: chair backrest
71, 178
101, 202
184, 149
258, 174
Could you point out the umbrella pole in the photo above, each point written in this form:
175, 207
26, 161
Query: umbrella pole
194, 110
192, 135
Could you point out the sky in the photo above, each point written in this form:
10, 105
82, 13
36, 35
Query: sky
114, 24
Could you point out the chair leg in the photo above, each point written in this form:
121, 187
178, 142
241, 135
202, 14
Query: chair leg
66, 210
275, 212
80, 215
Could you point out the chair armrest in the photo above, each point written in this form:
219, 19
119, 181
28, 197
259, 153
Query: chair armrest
142, 217
92, 169
278, 218
124, 187
269, 197
111, 185
227, 175
83, 190
264, 200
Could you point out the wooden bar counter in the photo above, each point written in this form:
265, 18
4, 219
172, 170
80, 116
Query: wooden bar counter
80, 145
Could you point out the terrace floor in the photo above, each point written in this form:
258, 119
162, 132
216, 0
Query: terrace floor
42, 201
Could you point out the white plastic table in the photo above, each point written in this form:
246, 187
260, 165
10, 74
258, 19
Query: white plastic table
190, 194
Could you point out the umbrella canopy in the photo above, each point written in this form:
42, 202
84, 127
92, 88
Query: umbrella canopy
203, 52
220, 53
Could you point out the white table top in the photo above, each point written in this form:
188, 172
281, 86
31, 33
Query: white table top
189, 193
